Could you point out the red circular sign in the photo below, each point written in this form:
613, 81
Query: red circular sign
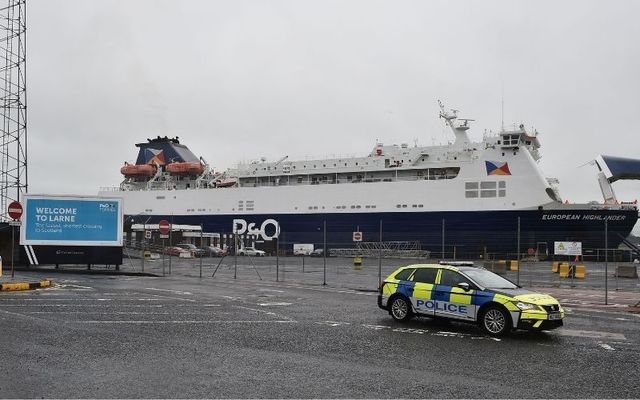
15, 210
531, 251
357, 236
164, 226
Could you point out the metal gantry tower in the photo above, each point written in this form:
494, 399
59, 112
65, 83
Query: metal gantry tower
13, 103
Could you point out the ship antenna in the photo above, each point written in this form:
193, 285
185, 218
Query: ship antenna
502, 113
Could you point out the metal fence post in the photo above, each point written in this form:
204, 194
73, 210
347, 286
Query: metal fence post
202, 247
518, 255
277, 262
235, 255
380, 257
443, 257
606, 261
324, 254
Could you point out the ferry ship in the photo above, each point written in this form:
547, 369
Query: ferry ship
466, 197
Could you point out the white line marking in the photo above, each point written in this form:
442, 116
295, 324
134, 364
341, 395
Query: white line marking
333, 323
183, 322
170, 291
605, 346
274, 304
270, 313
590, 334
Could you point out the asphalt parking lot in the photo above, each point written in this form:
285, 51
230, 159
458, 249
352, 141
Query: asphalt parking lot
185, 337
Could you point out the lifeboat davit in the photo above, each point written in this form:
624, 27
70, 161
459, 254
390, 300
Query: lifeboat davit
144, 170
185, 168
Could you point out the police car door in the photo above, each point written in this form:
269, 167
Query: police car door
425, 279
453, 301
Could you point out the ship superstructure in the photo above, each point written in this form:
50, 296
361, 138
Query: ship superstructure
411, 188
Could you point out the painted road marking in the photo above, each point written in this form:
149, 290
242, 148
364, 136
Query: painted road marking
143, 322
170, 291
605, 346
274, 304
591, 334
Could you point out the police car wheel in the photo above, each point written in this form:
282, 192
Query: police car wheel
400, 309
495, 321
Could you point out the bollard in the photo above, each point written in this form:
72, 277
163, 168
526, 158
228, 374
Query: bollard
581, 271
513, 265
357, 263
555, 267
565, 271
147, 255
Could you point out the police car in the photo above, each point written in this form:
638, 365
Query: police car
465, 293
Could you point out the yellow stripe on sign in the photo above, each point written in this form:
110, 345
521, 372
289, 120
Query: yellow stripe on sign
460, 296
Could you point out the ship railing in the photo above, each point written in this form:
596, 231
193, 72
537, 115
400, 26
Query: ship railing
293, 182
110, 189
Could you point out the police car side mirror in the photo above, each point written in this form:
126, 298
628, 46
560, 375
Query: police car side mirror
465, 286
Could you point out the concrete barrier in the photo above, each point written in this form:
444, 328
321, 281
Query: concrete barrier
580, 272
499, 266
357, 262
626, 271
564, 270
513, 265
555, 267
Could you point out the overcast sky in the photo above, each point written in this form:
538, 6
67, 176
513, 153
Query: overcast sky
236, 80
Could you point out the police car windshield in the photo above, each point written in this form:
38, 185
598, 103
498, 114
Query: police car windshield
488, 279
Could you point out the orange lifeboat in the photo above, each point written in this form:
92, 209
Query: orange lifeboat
132, 170
185, 168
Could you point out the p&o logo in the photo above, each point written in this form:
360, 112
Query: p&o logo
107, 207
240, 227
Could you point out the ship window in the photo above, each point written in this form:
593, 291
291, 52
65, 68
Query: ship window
471, 185
160, 197
373, 206
367, 206
487, 193
528, 142
358, 206
324, 165
404, 206
420, 205
502, 184
310, 208
487, 185
502, 193
471, 194
356, 163
398, 205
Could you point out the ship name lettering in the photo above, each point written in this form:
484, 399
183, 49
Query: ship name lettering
588, 217
240, 227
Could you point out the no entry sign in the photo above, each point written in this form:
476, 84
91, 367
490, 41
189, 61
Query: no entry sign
164, 226
357, 236
15, 210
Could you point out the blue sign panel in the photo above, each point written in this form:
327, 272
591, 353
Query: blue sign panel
79, 221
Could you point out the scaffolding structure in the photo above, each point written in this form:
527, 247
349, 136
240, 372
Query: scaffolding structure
409, 249
13, 102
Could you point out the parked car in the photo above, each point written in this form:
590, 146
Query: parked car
215, 251
250, 251
467, 294
174, 250
195, 251
317, 253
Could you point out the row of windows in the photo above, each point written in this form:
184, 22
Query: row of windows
412, 206
248, 206
428, 275
485, 189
